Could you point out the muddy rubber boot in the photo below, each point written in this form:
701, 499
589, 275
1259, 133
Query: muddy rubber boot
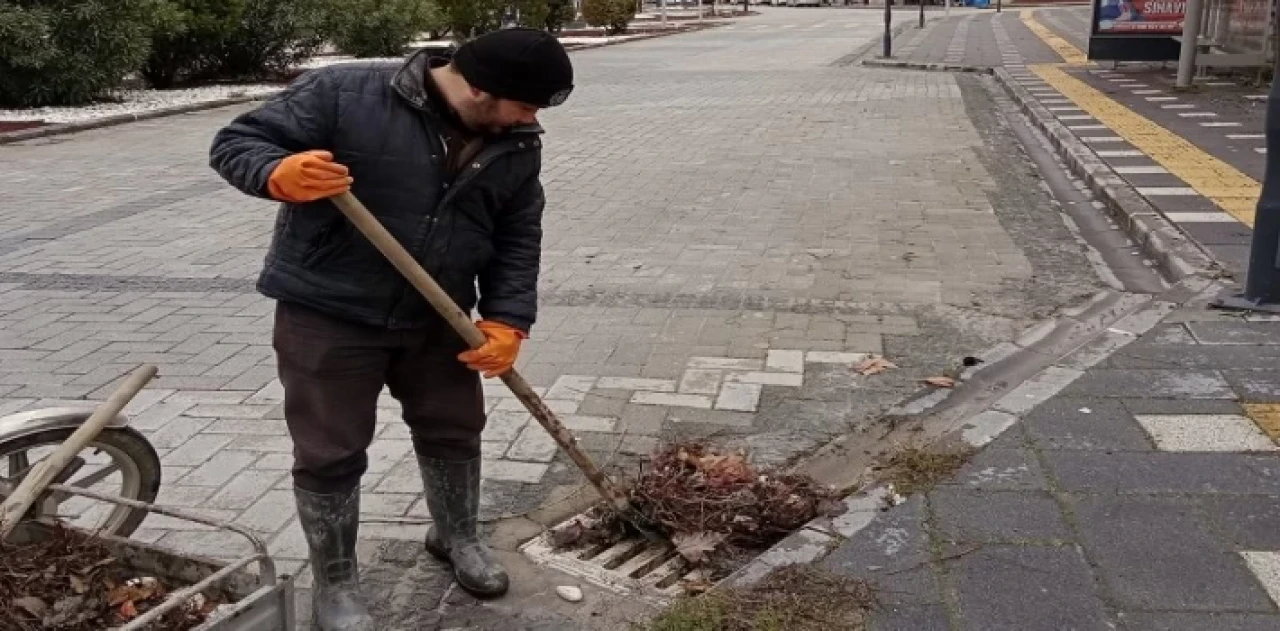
453, 498
330, 523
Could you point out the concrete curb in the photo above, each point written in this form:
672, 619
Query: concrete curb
929, 67
1176, 253
121, 119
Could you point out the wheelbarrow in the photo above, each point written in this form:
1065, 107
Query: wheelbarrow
93, 448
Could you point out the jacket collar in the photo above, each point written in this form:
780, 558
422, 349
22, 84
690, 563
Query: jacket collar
410, 82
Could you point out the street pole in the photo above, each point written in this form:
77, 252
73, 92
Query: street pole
948, 13
1262, 279
997, 6
921, 13
888, 30
1190, 41
662, 10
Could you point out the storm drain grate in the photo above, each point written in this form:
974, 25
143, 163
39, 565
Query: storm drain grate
632, 567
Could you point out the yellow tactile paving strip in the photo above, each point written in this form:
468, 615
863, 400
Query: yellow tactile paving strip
1267, 416
1223, 184
1068, 52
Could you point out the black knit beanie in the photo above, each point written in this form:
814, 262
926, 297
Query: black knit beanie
517, 64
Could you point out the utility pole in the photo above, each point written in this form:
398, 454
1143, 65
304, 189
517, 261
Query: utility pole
662, 10
1190, 44
921, 13
997, 6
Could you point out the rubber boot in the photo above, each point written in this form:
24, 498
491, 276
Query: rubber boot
330, 523
453, 498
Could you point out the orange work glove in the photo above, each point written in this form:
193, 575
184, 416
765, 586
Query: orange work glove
497, 355
308, 176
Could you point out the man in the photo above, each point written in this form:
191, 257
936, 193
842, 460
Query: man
447, 154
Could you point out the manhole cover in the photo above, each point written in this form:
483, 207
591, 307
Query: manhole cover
631, 567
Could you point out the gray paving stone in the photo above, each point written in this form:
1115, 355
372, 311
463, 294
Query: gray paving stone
1161, 472
1143, 548
1157, 355
196, 450
219, 468
1182, 406
1079, 423
242, 490
271, 512
1208, 621
175, 431
217, 544
893, 552
1249, 523
1026, 587
1255, 386
910, 618
172, 494
997, 516
1181, 384
1000, 469
1235, 333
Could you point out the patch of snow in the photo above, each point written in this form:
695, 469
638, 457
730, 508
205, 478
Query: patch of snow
137, 101
329, 60
596, 40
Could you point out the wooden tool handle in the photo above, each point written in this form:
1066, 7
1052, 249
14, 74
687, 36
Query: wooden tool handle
371, 228
36, 480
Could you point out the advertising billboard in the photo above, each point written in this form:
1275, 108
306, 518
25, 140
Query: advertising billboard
1139, 17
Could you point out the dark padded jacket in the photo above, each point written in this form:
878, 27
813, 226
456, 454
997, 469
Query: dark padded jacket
482, 230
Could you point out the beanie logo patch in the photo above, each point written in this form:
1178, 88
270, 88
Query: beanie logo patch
559, 97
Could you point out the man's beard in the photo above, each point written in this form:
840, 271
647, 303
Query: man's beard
479, 119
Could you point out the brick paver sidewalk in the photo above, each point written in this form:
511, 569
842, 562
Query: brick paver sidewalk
1143, 494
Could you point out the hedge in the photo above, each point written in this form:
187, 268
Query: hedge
70, 52
62, 52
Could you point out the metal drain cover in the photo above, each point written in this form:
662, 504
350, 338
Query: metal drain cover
631, 567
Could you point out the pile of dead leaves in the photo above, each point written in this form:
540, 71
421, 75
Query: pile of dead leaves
713, 505
71, 582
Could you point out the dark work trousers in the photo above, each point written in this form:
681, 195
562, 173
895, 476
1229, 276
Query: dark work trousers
333, 371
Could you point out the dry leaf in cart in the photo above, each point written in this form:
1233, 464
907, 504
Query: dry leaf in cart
103, 563
941, 382
78, 584
31, 605
127, 611
695, 547
874, 366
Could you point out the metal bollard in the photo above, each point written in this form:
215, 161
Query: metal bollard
888, 28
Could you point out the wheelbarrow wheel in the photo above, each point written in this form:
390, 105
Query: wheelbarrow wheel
120, 461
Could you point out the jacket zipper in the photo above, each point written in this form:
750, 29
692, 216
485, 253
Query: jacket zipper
481, 163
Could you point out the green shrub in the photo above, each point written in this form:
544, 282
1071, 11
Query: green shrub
533, 13
613, 15
69, 52
236, 39
558, 12
381, 28
469, 18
